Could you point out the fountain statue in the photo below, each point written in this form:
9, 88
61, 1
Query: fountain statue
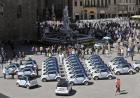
66, 23
66, 18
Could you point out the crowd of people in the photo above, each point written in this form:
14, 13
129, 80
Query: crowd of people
123, 32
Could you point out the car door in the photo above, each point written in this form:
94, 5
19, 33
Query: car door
52, 75
104, 73
79, 79
125, 68
23, 81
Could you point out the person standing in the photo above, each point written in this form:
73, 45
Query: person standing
33, 50
117, 84
4, 72
41, 50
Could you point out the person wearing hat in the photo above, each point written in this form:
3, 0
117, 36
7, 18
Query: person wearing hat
117, 83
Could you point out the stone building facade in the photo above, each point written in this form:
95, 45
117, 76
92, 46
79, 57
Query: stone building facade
93, 9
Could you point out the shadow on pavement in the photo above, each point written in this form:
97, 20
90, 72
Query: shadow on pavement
123, 92
89, 83
36, 87
73, 92
3, 96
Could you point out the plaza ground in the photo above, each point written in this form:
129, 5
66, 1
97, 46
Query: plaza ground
130, 86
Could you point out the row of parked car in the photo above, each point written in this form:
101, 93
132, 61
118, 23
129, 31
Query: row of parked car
97, 68
120, 66
50, 70
75, 71
26, 72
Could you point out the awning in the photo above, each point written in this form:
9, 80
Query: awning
136, 16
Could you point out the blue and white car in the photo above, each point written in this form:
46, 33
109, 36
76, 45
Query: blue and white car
63, 88
26, 81
30, 63
27, 71
102, 74
78, 79
50, 70
11, 69
136, 65
50, 75
124, 69
116, 59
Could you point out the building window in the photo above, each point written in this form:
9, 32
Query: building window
102, 3
136, 2
75, 3
19, 11
1, 10
105, 3
98, 3
81, 3
109, 2
114, 2
88, 3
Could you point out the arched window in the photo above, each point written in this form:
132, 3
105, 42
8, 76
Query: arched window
19, 11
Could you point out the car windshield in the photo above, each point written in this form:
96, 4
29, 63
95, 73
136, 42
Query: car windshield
77, 76
62, 84
104, 70
52, 72
31, 78
29, 69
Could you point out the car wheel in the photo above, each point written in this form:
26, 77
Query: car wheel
28, 87
58, 79
71, 89
131, 72
118, 73
44, 80
86, 83
71, 83
137, 69
96, 78
17, 84
110, 77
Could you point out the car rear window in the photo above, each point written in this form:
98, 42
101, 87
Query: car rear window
62, 84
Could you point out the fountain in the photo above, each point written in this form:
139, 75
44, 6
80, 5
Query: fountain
65, 34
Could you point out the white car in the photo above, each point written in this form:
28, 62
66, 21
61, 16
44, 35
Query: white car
115, 59
50, 75
29, 63
78, 79
63, 88
27, 72
124, 69
102, 74
117, 63
73, 69
89, 62
26, 81
136, 65
74, 72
